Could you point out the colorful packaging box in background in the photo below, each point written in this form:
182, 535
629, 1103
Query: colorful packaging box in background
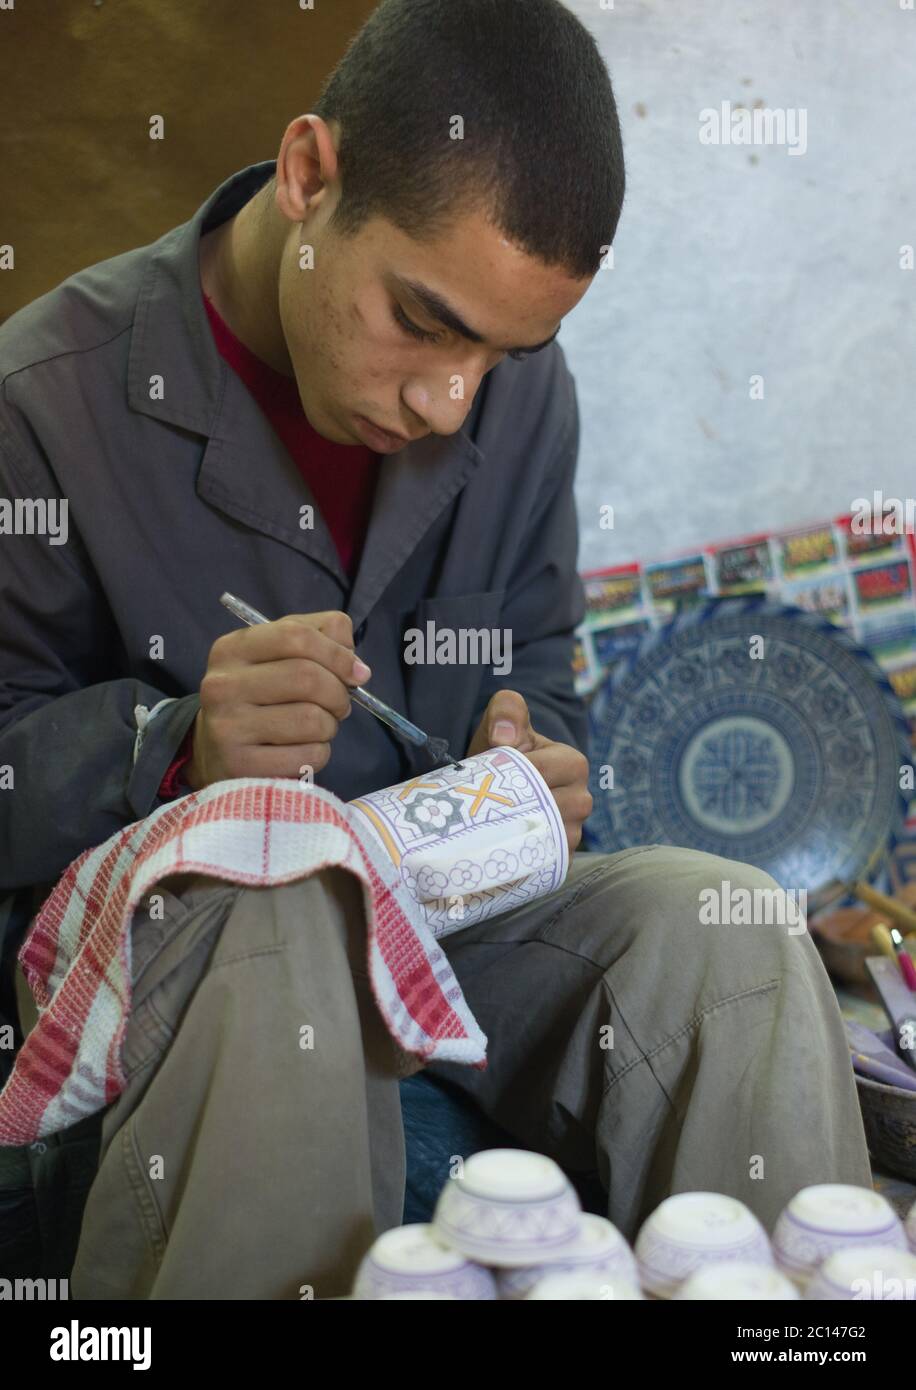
862, 582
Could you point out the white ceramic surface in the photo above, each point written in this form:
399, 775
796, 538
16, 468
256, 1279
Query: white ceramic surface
412, 1260
693, 1229
423, 1295
583, 1286
865, 1273
911, 1227
737, 1281
509, 1207
599, 1248
438, 860
828, 1217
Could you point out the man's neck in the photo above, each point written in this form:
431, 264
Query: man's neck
239, 272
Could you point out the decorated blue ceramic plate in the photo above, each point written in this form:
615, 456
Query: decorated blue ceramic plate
752, 730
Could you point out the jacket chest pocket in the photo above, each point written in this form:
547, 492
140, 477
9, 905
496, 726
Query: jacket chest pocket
448, 645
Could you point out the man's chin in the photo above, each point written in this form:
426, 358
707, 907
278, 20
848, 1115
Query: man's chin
331, 429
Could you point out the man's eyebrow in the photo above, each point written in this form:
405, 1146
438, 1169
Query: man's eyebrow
440, 310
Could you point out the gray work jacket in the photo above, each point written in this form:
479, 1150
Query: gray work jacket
178, 493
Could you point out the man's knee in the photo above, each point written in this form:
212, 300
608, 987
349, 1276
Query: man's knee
734, 920
212, 932
321, 912
702, 913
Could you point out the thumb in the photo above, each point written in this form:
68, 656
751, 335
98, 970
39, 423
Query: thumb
508, 720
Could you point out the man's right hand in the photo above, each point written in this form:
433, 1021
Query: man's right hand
273, 697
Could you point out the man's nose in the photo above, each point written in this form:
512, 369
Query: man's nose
443, 407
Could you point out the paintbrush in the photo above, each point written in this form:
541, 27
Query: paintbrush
437, 748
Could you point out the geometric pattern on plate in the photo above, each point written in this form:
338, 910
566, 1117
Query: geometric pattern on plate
788, 760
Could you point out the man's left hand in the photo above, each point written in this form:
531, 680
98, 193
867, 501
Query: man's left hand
506, 722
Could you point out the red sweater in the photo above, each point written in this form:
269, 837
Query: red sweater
342, 477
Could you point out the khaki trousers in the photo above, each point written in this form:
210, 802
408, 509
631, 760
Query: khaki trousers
258, 1147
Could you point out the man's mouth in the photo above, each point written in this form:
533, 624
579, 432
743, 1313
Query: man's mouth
379, 438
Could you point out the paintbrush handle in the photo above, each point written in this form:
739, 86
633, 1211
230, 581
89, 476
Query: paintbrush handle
907, 968
898, 912
437, 747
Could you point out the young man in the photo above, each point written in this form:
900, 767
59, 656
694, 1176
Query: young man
336, 392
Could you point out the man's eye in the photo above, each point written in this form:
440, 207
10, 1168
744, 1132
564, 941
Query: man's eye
411, 328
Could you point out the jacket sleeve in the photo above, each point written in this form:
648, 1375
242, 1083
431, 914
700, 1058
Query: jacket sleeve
74, 764
545, 603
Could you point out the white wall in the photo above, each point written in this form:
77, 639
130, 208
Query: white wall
735, 260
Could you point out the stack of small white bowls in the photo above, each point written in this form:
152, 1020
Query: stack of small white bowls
832, 1241
510, 1226
694, 1233
835, 1241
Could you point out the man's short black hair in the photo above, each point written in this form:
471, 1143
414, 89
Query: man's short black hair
541, 155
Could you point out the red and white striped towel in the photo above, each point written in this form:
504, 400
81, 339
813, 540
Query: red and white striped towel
77, 953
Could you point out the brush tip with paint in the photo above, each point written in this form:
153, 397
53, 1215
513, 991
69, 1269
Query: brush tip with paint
904, 960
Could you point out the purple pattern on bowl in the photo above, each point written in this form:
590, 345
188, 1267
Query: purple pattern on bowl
801, 1246
508, 1231
663, 1265
691, 1230
412, 1259
614, 1262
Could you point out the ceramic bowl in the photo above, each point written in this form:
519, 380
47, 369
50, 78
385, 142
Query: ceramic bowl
737, 1281
412, 1261
828, 1217
911, 1228
582, 1285
508, 1208
865, 1272
598, 1249
421, 1295
693, 1229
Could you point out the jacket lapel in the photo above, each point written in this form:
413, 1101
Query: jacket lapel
414, 487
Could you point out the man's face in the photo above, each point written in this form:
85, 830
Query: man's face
363, 345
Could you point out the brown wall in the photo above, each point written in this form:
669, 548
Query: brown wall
80, 179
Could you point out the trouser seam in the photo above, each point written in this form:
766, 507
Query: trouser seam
150, 1215
253, 954
691, 1023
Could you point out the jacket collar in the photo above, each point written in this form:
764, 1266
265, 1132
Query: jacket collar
246, 473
